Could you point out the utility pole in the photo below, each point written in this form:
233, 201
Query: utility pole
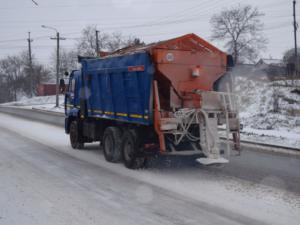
57, 38
30, 64
295, 39
97, 43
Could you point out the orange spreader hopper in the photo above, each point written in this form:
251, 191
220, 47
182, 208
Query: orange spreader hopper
185, 64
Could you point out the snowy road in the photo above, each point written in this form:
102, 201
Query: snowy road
44, 181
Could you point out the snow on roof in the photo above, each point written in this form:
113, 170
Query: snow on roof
187, 41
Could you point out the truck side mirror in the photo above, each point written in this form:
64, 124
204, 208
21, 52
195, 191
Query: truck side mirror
66, 73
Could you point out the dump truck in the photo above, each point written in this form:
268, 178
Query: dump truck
165, 98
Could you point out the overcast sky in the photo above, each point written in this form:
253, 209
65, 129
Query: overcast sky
150, 20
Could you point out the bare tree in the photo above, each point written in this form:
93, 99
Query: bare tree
16, 77
117, 41
12, 70
40, 74
86, 46
68, 61
289, 60
3, 89
31, 79
241, 30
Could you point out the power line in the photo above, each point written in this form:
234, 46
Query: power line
153, 23
203, 7
190, 14
92, 5
35, 2
277, 26
21, 39
12, 40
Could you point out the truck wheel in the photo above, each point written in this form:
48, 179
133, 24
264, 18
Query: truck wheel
131, 155
112, 138
76, 136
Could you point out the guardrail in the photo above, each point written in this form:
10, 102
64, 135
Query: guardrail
58, 119
261, 144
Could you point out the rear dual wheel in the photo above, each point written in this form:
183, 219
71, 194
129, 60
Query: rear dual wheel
125, 145
131, 153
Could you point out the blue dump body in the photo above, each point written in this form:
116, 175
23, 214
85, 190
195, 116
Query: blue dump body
118, 88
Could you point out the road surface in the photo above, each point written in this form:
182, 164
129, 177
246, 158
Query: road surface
44, 181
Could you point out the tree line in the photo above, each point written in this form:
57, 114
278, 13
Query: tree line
15, 72
18, 78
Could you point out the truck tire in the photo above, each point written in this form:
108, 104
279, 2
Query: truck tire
112, 138
131, 155
76, 136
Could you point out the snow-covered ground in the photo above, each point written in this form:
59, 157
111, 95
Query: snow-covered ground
269, 111
266, 203
46, 103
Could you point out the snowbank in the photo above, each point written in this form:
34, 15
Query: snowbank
269, 111
46, 103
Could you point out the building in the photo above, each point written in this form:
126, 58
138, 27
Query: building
274, 68
46, 89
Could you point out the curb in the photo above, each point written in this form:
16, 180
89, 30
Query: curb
53, 118
263, 145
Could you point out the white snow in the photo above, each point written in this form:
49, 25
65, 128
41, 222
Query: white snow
46, 103
259, 201
260, 122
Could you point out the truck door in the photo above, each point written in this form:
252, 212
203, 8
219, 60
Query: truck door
70, 94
